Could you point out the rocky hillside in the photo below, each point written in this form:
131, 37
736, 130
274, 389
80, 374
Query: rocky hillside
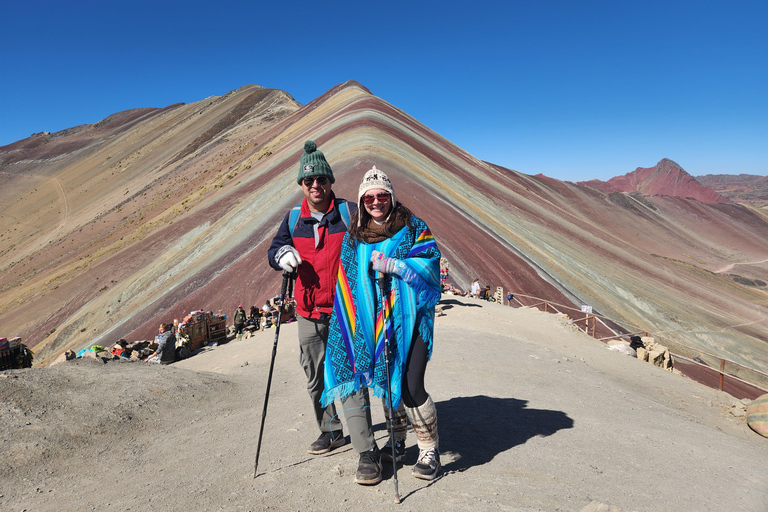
108, 229
741, 188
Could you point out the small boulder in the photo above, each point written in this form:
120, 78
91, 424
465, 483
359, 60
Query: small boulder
757, 415
66, 356
656, 358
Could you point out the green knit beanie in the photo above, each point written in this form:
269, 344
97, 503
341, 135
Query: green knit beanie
313, 163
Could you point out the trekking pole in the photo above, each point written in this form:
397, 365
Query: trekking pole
389, 384
287, 278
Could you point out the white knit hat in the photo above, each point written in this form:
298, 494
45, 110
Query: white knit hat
376, 179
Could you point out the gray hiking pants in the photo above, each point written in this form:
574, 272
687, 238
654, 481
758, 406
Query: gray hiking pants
313, 337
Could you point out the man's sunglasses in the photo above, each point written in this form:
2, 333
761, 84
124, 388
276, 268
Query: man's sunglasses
383, 198
321, 180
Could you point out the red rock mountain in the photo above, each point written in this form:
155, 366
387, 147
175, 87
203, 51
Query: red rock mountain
108, 229
666, 178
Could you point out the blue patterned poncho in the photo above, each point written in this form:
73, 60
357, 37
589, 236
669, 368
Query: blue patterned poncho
354, 356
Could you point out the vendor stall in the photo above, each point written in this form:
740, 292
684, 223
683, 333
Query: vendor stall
200, 328
14, 354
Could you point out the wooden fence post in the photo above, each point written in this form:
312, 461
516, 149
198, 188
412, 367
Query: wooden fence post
722, 368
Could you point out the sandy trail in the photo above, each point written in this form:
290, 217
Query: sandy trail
533, 416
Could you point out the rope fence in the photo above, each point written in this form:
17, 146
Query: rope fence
709, 369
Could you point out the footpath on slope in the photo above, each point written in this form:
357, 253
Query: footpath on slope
533, 416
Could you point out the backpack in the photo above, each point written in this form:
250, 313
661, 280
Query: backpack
293, 219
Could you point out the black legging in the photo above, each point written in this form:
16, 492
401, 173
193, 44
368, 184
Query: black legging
413, 392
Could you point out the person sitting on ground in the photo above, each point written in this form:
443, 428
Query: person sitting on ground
166, 346
266, 319
119, 348
256, 315
290, 310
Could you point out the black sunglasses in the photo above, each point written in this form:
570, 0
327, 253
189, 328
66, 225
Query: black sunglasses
321, 180
383, 198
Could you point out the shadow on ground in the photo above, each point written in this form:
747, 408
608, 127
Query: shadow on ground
474, 429
477, 428
449, 303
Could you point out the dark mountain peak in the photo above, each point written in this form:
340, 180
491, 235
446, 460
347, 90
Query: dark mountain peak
667, 163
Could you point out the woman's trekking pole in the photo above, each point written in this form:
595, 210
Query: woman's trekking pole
389, 384
287, 278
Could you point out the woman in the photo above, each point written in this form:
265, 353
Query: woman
166, 346
386, 237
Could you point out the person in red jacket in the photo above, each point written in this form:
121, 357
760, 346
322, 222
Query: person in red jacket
308, 242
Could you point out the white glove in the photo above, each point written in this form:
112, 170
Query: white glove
381, 263
287, 257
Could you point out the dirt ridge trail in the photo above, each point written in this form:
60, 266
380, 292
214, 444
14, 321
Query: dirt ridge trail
533, 416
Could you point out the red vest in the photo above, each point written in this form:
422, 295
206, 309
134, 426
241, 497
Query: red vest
317, 274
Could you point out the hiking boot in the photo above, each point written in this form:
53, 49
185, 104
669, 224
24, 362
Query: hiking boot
369, 468
428, 465
386, 452
327, 442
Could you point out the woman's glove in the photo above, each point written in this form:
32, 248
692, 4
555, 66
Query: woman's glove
381, 263
287, 258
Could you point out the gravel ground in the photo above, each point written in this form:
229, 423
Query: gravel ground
533, 416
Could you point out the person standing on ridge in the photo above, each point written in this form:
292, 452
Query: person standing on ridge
475, 290
239, 319
385, 237
308, 242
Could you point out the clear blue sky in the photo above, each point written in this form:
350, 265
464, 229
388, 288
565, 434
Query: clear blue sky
572, 89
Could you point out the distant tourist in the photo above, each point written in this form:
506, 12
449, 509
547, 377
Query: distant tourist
165, 353
255, 318
239, 318
266, 318
475, 290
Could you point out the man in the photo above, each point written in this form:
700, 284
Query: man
239, 319
308, 242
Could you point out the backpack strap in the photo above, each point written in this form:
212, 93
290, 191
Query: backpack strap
293, 219
344, 211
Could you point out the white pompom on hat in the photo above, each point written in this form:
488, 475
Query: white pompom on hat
376, 179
